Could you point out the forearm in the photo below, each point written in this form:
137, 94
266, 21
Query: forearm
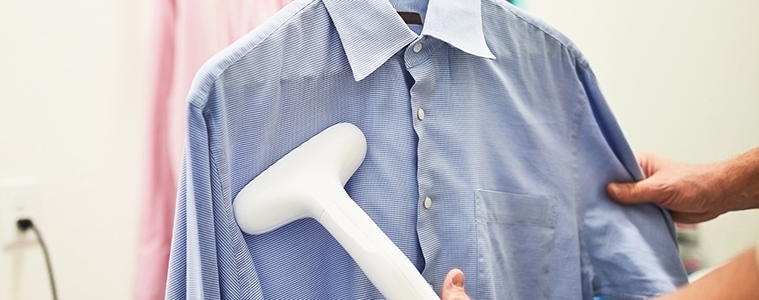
738, 279
741, 180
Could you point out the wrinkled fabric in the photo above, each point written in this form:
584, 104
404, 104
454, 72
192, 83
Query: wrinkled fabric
489, 148
186, 34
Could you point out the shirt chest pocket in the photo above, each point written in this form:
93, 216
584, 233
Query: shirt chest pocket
515, 241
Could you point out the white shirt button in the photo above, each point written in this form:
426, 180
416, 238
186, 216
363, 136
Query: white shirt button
420, 114
417, 47
427, 202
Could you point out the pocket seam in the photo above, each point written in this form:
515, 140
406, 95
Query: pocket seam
516, 209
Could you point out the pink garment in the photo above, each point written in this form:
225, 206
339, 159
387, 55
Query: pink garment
187, 33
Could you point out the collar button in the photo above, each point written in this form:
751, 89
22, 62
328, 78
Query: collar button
417, 47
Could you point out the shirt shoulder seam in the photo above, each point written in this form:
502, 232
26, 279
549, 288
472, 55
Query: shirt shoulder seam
219, 63
548, 30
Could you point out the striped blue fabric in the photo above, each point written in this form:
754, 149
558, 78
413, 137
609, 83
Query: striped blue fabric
513, 150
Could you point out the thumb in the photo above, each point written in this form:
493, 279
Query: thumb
453, 286
631, 193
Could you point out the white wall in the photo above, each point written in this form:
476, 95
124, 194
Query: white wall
73, 114
682, 77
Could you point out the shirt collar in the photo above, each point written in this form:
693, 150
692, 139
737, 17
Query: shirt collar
370, 42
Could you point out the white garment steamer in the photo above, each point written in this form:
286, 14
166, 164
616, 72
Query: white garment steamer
308, 183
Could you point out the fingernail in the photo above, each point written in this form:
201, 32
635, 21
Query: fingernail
458, 279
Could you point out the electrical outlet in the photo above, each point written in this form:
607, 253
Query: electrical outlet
18, 200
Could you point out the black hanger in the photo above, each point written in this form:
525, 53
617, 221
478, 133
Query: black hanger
410, 17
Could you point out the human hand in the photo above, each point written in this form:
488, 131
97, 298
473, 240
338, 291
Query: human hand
692, 193
453, 286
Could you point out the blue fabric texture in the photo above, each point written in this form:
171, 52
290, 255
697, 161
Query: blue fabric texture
514, 148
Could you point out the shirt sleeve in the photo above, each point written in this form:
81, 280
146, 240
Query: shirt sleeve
632, 250
192, 263
209, 256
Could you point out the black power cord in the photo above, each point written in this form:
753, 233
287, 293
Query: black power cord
25, 224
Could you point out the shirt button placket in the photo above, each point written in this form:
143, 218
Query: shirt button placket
420, 114
427, 202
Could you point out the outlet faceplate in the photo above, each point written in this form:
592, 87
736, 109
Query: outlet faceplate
18, 200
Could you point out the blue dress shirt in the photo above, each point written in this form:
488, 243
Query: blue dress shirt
489, 148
